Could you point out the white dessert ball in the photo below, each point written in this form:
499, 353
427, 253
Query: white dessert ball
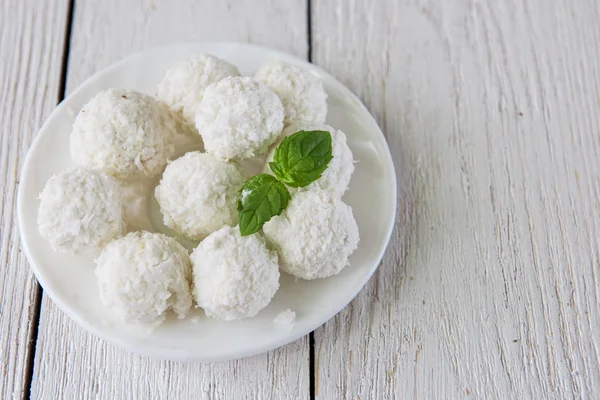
314, 236
300, 92
142, 275
183, 86
336, 177
123, 133
198, 194
234, 276
239, 118
80, 211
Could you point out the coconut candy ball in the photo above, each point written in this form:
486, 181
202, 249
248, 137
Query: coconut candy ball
314, 236
142, 275
336, 177
183, 86
123, 133
198, 194
239, 118
234, 277
300, 92
80, 211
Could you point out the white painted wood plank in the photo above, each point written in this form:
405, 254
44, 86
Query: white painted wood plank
70, 363
492, 109
31, 42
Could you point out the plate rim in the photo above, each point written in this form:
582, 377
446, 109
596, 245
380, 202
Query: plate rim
164, 353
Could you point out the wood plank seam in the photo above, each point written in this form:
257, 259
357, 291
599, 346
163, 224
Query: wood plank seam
33, 334
311, 335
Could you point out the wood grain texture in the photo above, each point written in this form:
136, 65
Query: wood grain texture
31, 42
70, 363
491, 109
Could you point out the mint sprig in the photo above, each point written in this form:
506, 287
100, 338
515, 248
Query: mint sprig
261, 198
299, 160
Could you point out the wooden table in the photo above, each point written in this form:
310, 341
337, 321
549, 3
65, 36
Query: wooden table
492, 112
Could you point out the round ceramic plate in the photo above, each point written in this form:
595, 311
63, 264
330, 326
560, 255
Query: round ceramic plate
70, 280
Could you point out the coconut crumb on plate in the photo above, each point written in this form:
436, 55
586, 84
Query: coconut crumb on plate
287, 317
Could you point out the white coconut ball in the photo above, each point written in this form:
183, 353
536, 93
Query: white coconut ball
314, 236
198, 194
234, 276
239, 118
183, 86
336, 177
300, 92
80, 211
123, 133
142, 275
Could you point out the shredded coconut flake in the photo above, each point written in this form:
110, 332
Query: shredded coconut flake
245, 194
70, 111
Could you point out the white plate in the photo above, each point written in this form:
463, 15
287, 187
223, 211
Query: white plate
70, 282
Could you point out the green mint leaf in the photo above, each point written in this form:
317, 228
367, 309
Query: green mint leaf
261, 198
280, 173
301, 158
